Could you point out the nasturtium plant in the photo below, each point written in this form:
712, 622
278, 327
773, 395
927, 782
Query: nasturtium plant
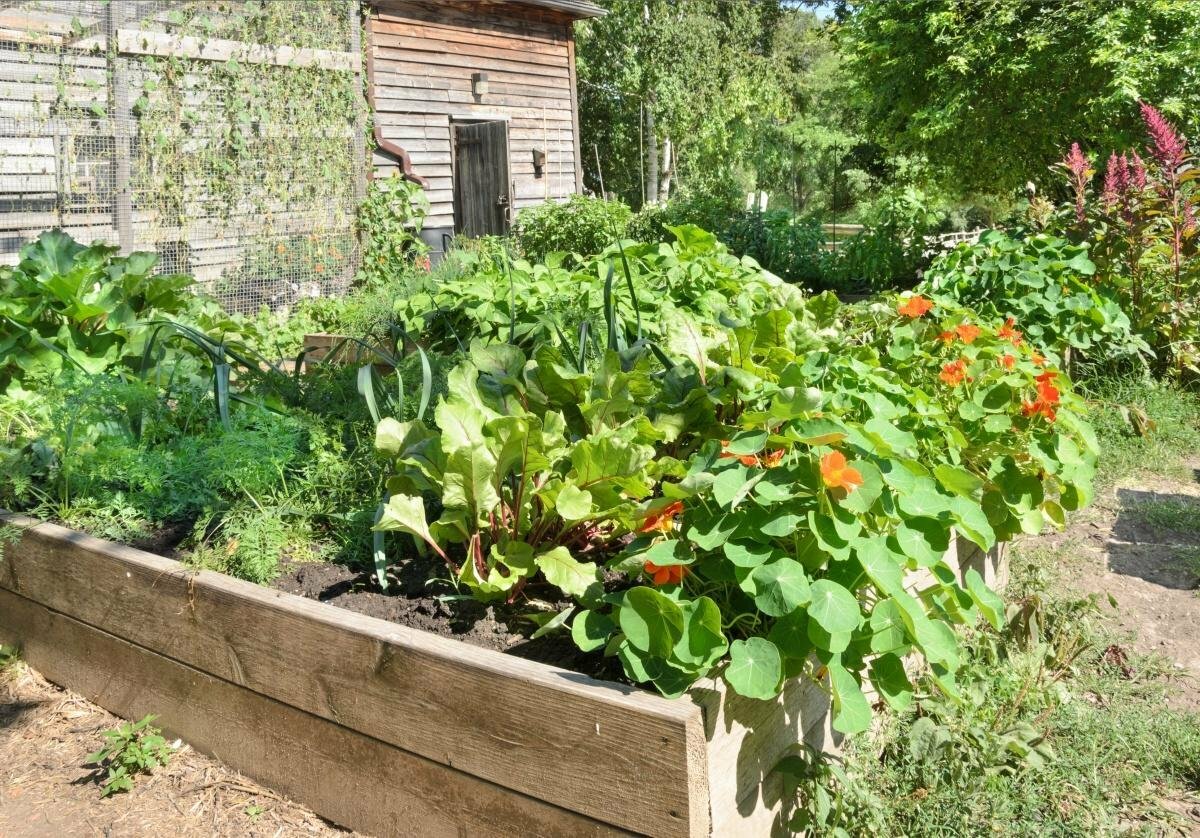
752, 499
1044, 282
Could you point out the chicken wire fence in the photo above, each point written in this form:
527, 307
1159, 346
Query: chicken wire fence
226, 135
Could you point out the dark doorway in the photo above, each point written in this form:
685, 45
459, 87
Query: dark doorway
481, 183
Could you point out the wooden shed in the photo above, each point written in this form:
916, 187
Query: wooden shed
476, 100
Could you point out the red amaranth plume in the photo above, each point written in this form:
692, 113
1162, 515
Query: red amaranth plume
1168, 148
1116, 181
1137, 173
1077, 164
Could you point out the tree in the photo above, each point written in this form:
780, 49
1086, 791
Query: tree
676, 89
991, 92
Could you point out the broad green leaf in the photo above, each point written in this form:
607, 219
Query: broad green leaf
703, 642
851, 712
652, 622
591, 630
573, 504
833, 607
790, 635
924, 540
881, 567
892, 682
747, 442
562, 570
782, 587
404, 513
990, 605
888, 633
755, 668
747, 555
959, 481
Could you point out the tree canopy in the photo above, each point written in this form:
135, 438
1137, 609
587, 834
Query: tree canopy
990, 92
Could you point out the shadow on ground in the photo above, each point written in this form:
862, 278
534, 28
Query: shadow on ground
1156, 537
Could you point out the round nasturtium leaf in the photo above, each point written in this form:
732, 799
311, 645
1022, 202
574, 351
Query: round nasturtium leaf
651, 621
833, 607
781, 586
755, 668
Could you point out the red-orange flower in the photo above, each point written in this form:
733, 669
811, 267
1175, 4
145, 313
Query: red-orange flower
954, 373
1047, 397
1038, 359
915, 306
744, 459
967, 332
671, 574
772, 458
1007, 332
836, 473
664, 519
1008, 361
946, 337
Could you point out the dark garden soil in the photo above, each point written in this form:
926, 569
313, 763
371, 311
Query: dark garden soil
415, 601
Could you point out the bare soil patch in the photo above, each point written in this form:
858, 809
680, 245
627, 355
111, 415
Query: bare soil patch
46, 790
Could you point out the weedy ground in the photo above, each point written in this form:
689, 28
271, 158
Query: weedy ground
1083, 716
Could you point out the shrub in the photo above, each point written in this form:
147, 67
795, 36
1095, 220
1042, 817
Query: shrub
1045, 284
390, 219
581, 226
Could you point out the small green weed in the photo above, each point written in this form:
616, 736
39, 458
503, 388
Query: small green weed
10, 656
131, 749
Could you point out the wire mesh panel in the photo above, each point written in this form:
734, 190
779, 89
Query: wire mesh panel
227, 135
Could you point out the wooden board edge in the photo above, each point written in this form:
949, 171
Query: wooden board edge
460, 653
311, 760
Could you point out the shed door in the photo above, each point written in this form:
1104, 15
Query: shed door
481, 182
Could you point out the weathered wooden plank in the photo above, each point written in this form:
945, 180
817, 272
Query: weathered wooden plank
440, 60
545, 732
472, 51
139, 42
435, 75
416, 98
349, 778
549, 45
514, 21
552, 89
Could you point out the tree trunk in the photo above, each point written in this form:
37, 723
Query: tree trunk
651, 196
668, 169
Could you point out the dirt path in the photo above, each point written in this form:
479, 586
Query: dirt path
1140, 545
46, 791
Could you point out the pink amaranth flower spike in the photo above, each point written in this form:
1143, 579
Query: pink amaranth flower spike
1169, 148
1078, 165
1137, 173
1116, 181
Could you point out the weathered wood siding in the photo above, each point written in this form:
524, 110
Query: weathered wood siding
425, 55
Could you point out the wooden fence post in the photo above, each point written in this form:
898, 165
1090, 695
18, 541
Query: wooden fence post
115, 14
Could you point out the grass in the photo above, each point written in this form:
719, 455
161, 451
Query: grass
1064, 731
1144, 426
1174, 514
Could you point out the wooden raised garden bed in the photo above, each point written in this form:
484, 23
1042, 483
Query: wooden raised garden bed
386, 729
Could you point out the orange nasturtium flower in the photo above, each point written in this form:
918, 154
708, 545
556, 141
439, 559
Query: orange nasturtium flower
1047, 398
1008, 361
664, 519
671, 574
1038, 359
1007, 332
946, 337
836, 473
745, 459
772, 458
915, 306
967, 332
954, 373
